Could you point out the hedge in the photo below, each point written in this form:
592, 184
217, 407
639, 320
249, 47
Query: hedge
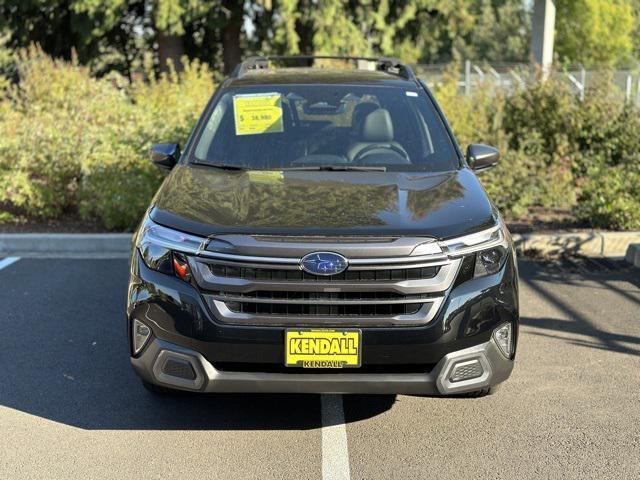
71, 143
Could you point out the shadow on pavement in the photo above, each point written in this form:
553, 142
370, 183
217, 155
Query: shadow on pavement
602, 340
64, 357
543, 282
110, 397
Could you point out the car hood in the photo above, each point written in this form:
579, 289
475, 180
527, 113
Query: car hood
206, 201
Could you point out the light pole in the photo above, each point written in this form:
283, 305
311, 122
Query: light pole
543, 27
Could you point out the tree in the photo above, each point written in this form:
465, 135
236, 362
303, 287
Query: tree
501, 32
116, 36
169, 17
594, 32
193, 27
427, 31
53, 24
233, 11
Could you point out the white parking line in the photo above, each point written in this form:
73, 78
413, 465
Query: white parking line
335, 453
5, 262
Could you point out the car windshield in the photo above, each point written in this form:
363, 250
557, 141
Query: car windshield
332, 127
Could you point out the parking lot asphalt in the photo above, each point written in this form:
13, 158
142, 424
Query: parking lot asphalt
71, 407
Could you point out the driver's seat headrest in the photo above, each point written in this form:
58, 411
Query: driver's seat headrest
378, 127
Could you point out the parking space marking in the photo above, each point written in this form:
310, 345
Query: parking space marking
335, 453
5, 262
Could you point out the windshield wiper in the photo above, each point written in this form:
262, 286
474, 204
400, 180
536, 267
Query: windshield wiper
222, 166
337, 168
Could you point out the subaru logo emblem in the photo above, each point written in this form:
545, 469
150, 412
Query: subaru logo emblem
324, 263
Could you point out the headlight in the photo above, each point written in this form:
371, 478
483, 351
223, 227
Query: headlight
164, 249
458, 247
483, 253
489, 261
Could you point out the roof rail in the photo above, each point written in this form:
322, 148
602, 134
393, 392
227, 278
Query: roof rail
390, 65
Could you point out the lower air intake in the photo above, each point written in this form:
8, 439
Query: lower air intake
466, 371
179, 368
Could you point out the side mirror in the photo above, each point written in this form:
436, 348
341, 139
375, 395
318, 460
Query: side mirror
164, 155
482, 157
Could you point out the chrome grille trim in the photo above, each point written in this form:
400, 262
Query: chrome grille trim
235, 299
439, 283
376, 273
225, 297
270, 250
426, 313
399, 262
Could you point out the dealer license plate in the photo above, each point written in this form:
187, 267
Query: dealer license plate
309, 348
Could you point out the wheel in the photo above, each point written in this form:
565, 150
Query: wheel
483, 392
157, 389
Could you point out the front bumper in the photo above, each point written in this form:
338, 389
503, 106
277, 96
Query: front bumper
395, 359
151, 367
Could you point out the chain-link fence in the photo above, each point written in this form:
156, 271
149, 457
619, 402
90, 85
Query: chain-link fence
511, 76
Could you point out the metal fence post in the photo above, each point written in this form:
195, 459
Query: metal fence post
578, 85
583, 82
628, 91
493, 72
467, 77
479, 72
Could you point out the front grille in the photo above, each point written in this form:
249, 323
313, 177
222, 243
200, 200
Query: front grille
323, 297
371, 304
367, 310
261, 284
282, 275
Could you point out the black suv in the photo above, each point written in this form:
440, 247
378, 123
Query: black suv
322, 231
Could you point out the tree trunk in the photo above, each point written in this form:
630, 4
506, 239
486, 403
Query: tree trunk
231, 51
170, 48
305, 27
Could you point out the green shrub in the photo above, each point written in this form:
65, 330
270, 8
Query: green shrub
531, 127
546, 109
557, 151
118, 180
611, 198
474, 118
73, 143
526, 177
70, 142
46, 132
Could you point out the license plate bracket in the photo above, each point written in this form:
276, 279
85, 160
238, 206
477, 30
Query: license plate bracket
323, 348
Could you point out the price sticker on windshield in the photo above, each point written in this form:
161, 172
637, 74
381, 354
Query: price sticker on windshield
258, 113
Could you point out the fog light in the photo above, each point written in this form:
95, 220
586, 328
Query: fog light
503, 337
141, 334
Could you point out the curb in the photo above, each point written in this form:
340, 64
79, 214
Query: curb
589, 244
633, 254
118, 245
68, 245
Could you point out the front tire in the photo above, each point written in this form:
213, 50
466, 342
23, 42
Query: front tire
483, 392
157, 389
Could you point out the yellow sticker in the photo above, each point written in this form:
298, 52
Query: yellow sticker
258, 113
265, 176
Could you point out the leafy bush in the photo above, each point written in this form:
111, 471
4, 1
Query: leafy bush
611, 198
118, 180
69, 141
73, 143
557, 151
46, 133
